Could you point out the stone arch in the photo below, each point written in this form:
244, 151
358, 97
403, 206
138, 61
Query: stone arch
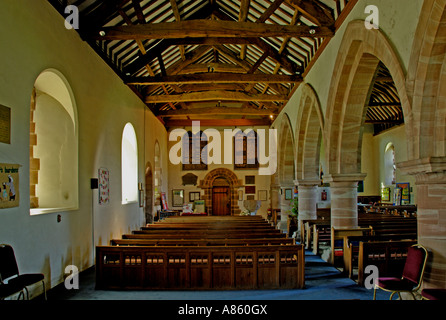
426, 86
426, 81
234, 183
359, 54
286, 161
308, 135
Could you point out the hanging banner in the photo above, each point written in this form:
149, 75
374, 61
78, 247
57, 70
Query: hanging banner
104, 187
9, 182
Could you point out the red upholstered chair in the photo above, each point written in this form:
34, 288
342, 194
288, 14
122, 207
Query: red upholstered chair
433, 294
10, 278
412, 276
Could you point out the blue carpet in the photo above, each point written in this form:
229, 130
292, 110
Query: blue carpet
322, 282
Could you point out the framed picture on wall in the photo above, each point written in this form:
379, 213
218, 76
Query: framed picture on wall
263, 195
194, 196
250, 189
288, 194
385, 194
397, 196
250, 179
177, 197
405, 192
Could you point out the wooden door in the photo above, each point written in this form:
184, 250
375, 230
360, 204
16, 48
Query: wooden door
221, 201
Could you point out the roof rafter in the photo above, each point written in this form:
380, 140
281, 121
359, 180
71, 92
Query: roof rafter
207, 28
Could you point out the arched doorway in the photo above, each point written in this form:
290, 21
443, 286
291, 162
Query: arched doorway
221, 198
226, 184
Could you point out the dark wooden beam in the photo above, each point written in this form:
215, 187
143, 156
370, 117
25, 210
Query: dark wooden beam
219, 122
216, 111
214, 95
207, 28
314, 12
215, 77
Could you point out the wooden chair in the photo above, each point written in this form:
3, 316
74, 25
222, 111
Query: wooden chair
412, 277
9, 271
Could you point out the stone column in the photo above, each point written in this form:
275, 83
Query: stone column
344, 199
285, 208
430, 177
307, 199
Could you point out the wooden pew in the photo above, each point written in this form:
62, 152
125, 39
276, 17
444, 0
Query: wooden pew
200, 268
198, 235
307, 235
209, 233
388, 256
181, 219
337, 242
216, 226
321, 234
351, 247
203, 242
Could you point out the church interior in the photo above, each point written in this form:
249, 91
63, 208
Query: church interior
222, 144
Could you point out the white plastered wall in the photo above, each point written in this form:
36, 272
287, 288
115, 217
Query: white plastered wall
36, 40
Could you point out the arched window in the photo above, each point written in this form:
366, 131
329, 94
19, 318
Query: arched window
129, 165
245, 149
389, 164
53, 145
194, 158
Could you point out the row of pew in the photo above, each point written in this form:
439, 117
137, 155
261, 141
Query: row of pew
202, 252
379, 240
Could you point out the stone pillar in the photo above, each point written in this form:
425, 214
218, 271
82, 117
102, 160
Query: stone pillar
344, 199
307, 199
285, 208
430, 177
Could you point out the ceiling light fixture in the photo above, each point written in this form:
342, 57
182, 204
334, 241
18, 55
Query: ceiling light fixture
102, 33
312, 31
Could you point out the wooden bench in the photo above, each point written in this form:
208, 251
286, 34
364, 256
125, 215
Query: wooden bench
201, 235
388, 256
307, 230
218, 226
200, 268
321, 233
181, 219
337, 242
203, 242
351, 248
